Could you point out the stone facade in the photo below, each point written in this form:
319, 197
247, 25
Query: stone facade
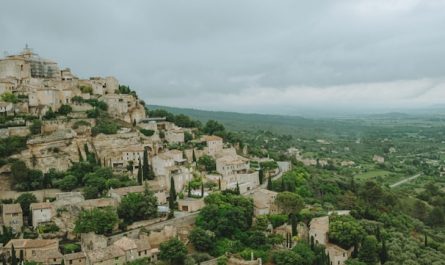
12, 216
41, 213
264, 202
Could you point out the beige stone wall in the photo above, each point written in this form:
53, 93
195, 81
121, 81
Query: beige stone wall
15, 221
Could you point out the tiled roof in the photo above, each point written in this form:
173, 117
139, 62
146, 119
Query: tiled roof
12, 208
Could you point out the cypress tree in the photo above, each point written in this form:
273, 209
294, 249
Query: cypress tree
4, 260
283, 188
269, 183
140, 173
22, 259
202, 190
13, 256
145, 166
425, 240
237, 190
353, 185
261, 176
312, 243
219, 183
293, 219
193, 156
172, 189
383, 253
80, 154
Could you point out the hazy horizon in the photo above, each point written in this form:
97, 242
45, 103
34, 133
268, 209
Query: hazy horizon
287, 57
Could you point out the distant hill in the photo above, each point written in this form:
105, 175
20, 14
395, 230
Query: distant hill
280, 124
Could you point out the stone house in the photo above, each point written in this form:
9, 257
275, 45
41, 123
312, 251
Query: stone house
98, 203
318, 232
12, 215
6, 108
175, 136
190, 204
136, 248
214, 144
78, 258
264, 202
45, 251
231, 165
110, 255
378, 159
41, 213
119, 193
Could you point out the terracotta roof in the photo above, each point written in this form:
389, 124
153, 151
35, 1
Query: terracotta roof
77, 255
212, 138
125, 190
41, 205
12, 208
31, 243
99, 203
103, 254
126, 244
143, 244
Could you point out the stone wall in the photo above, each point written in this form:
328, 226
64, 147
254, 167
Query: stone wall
40, 194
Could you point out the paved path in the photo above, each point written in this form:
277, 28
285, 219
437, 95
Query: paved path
404, 181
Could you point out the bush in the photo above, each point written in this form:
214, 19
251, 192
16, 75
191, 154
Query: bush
147, 132
105, 126
65, 110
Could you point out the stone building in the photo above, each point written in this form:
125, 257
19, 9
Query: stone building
78, 258
44, 251
41, 213
318, 232
190, 204
214, 144
12, 216
264, 202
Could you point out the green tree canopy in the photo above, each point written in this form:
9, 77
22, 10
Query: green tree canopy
173, 251
99, 221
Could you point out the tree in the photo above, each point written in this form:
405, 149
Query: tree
384, 252
65, 109
140, 173
369, 251
193, 156
289, 203
286, 257
212, 127
202, 190
436, 217
172, 195
9, 97
173, 251
25, 200
202, 240
100, 221
304, 251
261, 176
207, 163
138, 206
345, 231
68, 183
50, 114
145, 166
13, 256
237, 190
269, 183
36, 127
420, 210
19, 173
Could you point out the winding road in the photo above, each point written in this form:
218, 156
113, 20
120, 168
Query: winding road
404, 181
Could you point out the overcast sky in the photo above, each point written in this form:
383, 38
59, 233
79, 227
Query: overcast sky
250, 56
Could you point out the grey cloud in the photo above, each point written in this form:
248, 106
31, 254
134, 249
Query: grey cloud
172, 49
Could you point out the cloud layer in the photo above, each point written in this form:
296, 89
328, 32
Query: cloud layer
256, 56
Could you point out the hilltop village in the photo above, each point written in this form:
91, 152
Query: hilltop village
89, 175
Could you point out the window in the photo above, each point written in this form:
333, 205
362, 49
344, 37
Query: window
71, 262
